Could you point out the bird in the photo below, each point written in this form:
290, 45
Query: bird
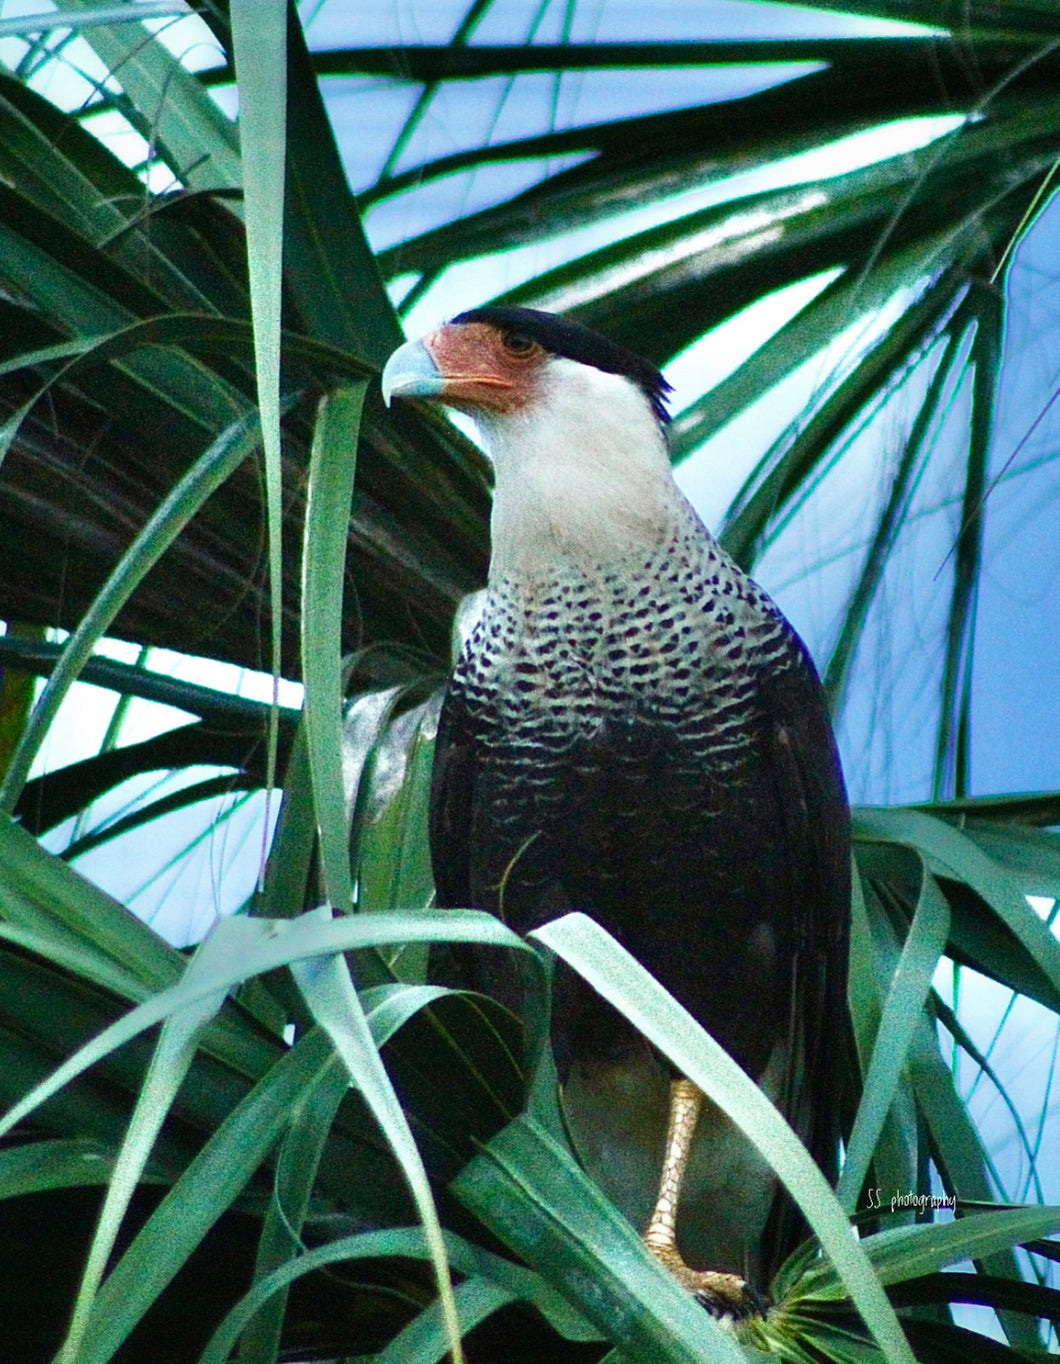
635, 731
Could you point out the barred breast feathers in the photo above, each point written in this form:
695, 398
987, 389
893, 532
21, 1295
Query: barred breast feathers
677, 631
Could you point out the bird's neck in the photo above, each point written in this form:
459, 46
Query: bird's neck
583, 481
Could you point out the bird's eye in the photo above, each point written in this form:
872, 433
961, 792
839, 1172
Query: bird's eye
518, 343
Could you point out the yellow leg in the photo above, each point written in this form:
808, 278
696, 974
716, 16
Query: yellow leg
726, 1295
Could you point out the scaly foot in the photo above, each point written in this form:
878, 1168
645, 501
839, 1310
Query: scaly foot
725, 1296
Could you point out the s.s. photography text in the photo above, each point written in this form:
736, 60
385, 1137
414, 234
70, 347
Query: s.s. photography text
901, 1201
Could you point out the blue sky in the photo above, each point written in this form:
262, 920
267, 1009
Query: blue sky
887, 732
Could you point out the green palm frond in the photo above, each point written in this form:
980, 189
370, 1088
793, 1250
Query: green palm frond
329, 1132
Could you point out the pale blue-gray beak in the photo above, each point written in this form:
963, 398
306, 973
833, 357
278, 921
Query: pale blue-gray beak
411, 373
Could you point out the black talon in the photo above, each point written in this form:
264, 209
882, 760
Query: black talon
754, 1304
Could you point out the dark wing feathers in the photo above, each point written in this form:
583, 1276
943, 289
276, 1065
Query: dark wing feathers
812, 797
451, 804
783, 852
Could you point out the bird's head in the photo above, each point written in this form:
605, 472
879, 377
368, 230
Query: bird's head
507, 360
574, 424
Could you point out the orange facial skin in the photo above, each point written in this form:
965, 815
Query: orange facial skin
484, 367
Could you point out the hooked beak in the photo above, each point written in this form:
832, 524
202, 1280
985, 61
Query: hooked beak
412, 373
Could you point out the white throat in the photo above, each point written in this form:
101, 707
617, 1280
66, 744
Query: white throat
583, 477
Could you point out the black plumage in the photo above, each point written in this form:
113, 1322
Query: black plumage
635, 731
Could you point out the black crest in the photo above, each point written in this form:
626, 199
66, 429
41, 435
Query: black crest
575, 342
